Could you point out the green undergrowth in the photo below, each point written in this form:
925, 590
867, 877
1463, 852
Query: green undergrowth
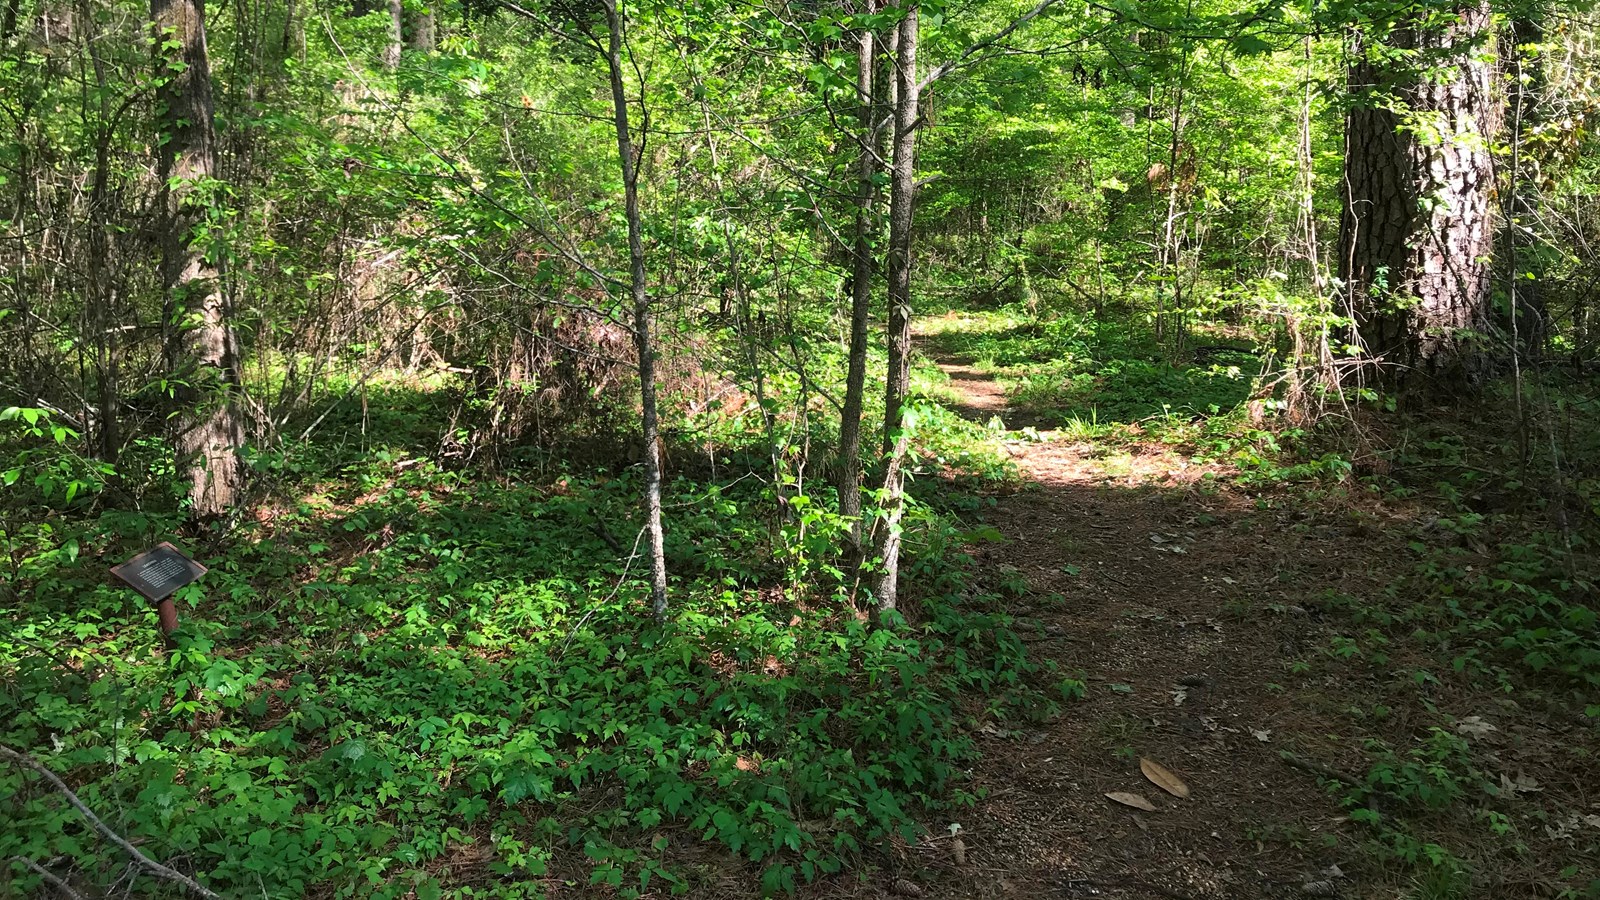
1502, 578
1065, 368
401, 679
1108, 382
1486, 633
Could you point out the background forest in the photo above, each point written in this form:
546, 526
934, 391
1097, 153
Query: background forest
840, 448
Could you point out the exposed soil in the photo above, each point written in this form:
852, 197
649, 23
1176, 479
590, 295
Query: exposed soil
981, 396
1164, 589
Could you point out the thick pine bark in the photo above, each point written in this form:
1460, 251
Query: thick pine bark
641, 316
201, 347
1417, 236
902, 186
861, 275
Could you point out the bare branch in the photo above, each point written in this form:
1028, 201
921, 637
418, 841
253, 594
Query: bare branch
49, 878
149, 865
951, 65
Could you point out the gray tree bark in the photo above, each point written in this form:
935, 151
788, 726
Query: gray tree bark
902, 188
202, 350
397, 22
421, 37
641, 314
862, 270
1417, 234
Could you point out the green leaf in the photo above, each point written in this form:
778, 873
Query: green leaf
1250, 45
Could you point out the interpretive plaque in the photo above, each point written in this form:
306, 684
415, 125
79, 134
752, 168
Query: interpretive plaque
159, 571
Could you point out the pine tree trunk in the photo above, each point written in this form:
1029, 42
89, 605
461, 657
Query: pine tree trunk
201, 348
861, 276
641, 316
902, 187
1417, 234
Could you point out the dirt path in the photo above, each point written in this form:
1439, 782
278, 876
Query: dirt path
1179, 602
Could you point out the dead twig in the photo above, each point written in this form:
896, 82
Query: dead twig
149, 865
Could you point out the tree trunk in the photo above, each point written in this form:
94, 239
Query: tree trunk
1416, 237
391, 49
421, 38
287, 41
1524, 274
201, 348
100, 312
641, 316
902, 186
861, 275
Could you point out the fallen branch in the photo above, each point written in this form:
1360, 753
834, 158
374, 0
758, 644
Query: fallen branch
49, 878
149, 865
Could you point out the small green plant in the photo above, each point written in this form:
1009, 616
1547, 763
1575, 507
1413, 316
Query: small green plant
1432, 775
1077, 428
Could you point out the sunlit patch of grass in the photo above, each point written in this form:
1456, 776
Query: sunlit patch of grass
1079, 428
1064, 365
963, 326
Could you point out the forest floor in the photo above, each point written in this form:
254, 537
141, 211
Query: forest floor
1366, 671
1190, 606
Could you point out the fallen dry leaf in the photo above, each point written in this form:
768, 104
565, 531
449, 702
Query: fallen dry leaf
1133, 800
1162, 777
1523, 784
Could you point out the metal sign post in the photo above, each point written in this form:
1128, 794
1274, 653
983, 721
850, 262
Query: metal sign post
157, 574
